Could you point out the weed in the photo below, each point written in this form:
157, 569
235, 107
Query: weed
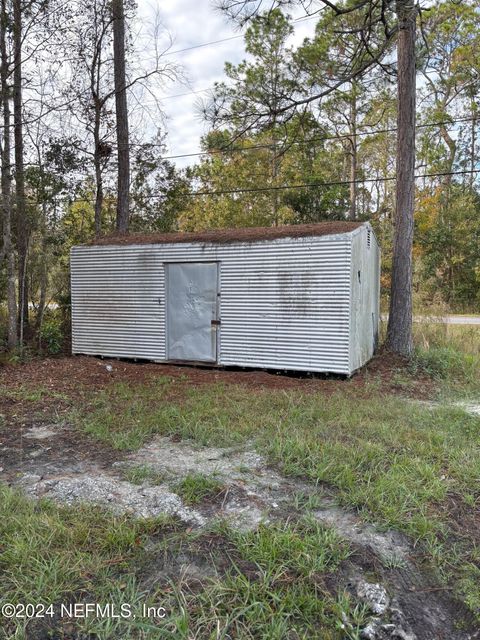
26, 393
140, 474
307, 501
51, 335
305, 547
394, 561
20, 355
450, 354
196, 488
352, 617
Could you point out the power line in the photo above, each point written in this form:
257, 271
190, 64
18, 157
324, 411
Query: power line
305, 185
201, 45
333, 183
346, 136
222, 40
180, 95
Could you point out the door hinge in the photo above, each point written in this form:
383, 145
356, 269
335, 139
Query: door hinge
215, 323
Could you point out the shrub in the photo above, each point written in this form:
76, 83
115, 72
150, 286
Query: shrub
51, 335
444, 363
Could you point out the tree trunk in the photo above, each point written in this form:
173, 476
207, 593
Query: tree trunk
399, 333
473, 157
97, 161
352, 213
121, 111
21, 219
7, 182
275, 205
43, 275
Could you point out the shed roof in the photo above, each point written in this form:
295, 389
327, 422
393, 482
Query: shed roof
225, 236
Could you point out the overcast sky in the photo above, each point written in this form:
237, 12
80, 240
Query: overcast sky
190, 23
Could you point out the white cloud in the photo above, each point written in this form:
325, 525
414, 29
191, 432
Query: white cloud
190, 23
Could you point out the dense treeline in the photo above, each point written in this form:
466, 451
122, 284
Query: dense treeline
347, 143
61, 154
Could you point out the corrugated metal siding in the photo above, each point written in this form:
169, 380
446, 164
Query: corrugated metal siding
284, 303
365, 296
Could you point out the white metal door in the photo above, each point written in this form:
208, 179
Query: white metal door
192, 311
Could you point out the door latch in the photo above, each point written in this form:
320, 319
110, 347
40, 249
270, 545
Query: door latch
216, 323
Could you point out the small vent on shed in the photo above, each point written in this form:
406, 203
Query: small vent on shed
369, 238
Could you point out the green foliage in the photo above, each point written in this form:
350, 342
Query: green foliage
159, 190
51, 335
275, 155
446, 363
450, 354
448, 235
232, 172
313, 146
20, 355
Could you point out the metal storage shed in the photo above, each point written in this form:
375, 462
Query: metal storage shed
300, 297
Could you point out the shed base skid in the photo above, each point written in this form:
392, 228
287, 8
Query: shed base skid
213, 366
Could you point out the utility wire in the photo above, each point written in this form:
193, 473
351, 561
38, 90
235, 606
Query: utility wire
346, 136
305, 185
308, 185
180, 95
240, 35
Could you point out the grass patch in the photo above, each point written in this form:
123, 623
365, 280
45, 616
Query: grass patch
304, 548
56, 555
306, 501
450, 354
273, 607
26, 393
273, 587
389, 457
394, 460
196, 488
125, 416
143, 473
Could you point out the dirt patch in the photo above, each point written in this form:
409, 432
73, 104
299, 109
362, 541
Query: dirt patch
389, 547
463, 518
46, 448
252, 491
74, 376
104, 490
406, 597
181, 458
473, 408
41, 432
